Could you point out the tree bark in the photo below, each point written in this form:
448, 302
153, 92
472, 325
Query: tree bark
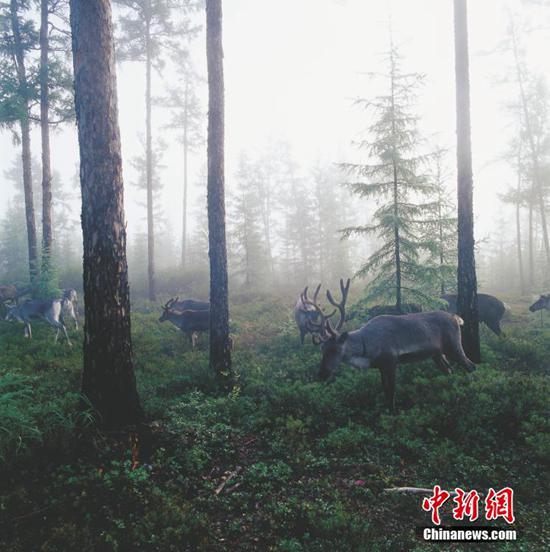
220, 354
467, 281
518, 227
108, 379
149, 168
47, 235
25, 142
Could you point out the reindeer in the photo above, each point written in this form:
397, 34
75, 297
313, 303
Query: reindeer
490, 309
189, 304
69, 305
12, 293
190, 322
303, 313
542, 303
406, 308
387, 340
50, 311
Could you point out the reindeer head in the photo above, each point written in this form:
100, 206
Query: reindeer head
543, 302
325, 334
166, 309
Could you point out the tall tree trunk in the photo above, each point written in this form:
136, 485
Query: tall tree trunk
185, 173
19, 58
108, 379
220, 353
396, 237
518, 226
149, 168
441, 241
531, 243
47, 235
467, 280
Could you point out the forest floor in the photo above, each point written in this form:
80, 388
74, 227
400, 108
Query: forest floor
285, 462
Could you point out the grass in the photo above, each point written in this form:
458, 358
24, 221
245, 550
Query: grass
302, 465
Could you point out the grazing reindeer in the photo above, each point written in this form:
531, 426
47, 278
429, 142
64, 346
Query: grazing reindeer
190, 322
189, 304
386, 341
303, 313
12, 293
50, 311
69, 305
542, 303
406, 308
490, 309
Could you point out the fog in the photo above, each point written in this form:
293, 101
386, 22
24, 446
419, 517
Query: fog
293, 69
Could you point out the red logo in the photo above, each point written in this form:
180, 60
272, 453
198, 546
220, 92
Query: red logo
497, 504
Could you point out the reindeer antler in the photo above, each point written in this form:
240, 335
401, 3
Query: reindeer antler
341, 306
169, 304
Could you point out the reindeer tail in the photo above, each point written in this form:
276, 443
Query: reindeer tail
459, 320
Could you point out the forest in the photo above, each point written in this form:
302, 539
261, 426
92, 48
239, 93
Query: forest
274, 275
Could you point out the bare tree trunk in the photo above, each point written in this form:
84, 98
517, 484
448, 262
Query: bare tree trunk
467, 280
149, 169
185, 173
531, 244
47, 234
19, 58
220, 353
518, 227
108, 379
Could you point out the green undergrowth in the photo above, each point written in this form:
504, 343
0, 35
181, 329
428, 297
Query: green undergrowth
284, 462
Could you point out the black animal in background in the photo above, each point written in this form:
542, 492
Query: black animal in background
491, 310
406, 308
542, 303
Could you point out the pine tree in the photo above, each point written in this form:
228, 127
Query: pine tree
220, 351
393, 176
440, 234
187, 119
246, 224
467, 278
150, 29
56, 92
18, 88
108, 379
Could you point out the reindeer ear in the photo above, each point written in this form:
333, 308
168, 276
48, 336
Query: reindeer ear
342, 337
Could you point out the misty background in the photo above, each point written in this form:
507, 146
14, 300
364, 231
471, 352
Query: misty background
293, 70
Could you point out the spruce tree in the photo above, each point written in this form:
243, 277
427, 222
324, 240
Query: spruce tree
392, 177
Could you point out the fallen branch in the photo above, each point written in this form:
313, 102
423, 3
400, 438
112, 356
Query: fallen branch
226, 480
411, 490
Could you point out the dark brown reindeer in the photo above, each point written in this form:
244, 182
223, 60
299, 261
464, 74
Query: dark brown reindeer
491, 310
542, 303
386, 341
190, 322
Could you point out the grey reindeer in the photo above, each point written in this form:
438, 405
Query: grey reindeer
190, 322
386, 341
69, 305
49, 310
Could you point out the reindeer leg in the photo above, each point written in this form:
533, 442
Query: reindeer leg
388, 372
194, 339
457, 353
443, 364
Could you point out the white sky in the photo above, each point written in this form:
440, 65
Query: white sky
292, 69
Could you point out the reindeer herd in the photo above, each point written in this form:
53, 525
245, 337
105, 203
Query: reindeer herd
386, 340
